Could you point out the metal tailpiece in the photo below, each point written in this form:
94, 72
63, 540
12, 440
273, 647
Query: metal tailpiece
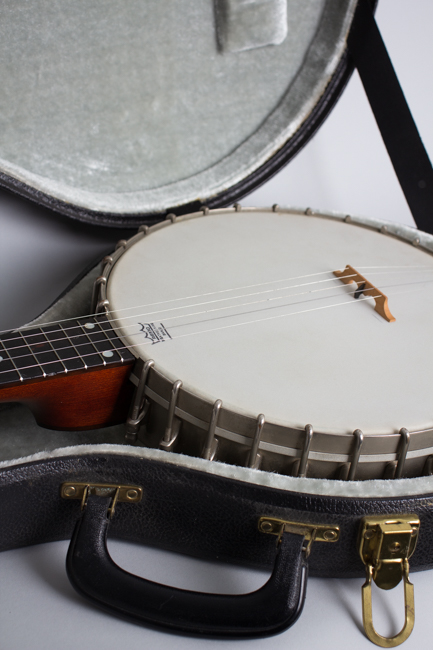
385, 546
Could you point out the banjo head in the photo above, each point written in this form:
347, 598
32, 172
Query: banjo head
243, 307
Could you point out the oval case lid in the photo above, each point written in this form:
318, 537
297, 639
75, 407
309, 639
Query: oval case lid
116, 112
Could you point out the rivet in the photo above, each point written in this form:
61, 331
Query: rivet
394, 547
69, 491
132, 495
369, 533
329, 535
266, 526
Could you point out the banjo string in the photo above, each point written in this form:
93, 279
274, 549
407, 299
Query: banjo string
303, 311
69, 338
145, 315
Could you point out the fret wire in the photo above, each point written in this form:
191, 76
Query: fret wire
109, 340
33, 354
69, 339
48, 362
13, 363
54, 350
90, 340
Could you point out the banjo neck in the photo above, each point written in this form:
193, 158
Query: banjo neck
72, 374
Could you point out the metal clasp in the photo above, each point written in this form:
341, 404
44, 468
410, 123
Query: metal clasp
119, 493
385, 546
310, 532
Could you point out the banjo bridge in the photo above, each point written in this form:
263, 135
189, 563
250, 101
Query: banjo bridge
349, 274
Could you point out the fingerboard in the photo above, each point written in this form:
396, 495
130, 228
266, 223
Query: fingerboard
60, 348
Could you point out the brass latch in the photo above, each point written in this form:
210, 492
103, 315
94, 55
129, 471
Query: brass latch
385, 546
119, 493
311, 532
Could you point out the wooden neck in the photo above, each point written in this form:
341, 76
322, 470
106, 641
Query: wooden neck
72, 374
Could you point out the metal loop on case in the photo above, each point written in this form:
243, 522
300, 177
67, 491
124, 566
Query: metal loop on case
254, 456
211, 444
173, 423
367, 611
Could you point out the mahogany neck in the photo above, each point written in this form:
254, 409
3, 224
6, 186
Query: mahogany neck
74, 345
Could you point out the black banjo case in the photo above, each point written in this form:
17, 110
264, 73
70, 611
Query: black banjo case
83, 486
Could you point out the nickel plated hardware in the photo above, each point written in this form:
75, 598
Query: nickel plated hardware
385, 545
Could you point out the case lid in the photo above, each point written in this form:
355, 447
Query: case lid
113, 112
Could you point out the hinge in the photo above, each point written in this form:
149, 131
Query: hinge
310, 532
119, 493
385, 545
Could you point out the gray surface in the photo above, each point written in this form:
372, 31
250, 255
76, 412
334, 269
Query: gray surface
132, 107
345, 168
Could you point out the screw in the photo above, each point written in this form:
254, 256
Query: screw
132, 495
394, 547
69, 491
329, 535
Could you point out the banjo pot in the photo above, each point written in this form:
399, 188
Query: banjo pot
285, 340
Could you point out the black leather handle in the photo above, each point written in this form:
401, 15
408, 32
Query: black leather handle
269, 610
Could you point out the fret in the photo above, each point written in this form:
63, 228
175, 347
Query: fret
22, 356
43, 352
8, 370
124, 352
100, 342
57, 349
65, 346
67, 350
83, 347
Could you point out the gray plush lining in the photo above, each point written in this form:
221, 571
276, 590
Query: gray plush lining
353, 489
132, 107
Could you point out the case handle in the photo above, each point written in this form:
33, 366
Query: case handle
269, 610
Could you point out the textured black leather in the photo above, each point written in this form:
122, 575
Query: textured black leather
193, 512
269, 610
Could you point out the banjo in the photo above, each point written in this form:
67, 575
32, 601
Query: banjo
283, 340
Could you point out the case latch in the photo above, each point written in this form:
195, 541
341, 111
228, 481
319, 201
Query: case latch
385, 546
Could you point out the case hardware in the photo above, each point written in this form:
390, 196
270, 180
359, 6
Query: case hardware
385, 546
120, 493
310, 532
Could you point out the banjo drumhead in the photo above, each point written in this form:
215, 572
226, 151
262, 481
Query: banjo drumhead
245, 307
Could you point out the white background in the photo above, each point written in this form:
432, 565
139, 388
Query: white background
344, 168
